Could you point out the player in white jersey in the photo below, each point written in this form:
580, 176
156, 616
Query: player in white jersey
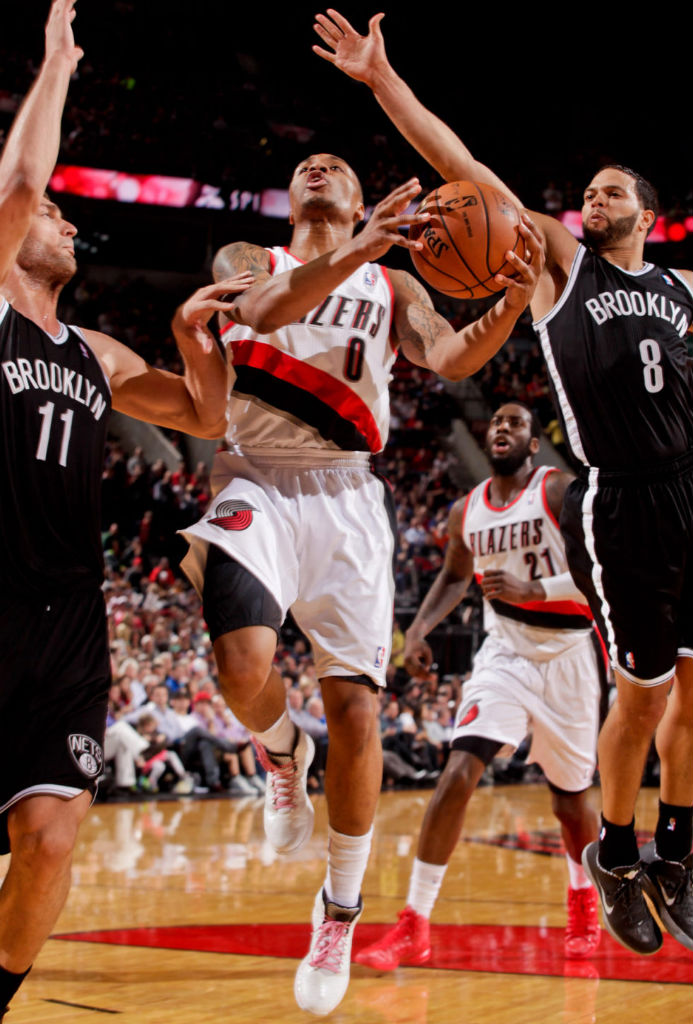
537, 671
299, 521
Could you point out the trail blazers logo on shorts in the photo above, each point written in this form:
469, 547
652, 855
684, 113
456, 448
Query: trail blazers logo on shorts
233, 515
470, 715
87, 754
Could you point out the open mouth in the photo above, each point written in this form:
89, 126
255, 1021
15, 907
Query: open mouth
500, 446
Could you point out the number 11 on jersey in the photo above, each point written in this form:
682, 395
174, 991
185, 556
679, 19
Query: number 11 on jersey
46, 412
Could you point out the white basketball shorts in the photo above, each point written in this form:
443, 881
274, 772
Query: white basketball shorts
319, 538
557, 701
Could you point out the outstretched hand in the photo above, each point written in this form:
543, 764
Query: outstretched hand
418, 657
388, 218
193, 316
59, 36
360, 57
522, 285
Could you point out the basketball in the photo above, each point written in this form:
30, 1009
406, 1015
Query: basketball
464, 243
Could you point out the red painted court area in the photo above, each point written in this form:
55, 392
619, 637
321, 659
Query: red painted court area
494, 949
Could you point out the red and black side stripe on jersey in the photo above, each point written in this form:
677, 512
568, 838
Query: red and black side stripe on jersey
546, 618
306, 392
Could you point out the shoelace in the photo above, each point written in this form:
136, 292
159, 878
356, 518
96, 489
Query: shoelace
404, 929
330, 945
630, 891
281, 779
579, 909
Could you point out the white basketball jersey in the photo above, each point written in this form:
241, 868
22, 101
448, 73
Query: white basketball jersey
523, 538
321, 383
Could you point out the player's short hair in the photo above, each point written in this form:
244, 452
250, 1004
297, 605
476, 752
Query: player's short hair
644, 189
535, 427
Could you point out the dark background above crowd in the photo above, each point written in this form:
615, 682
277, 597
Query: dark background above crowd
232, 95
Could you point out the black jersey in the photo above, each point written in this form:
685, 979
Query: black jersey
615, 348
54, 407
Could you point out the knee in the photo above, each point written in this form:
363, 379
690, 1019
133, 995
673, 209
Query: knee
44, 849
569, 808
353, 723
642, 709
460, 778
242, 674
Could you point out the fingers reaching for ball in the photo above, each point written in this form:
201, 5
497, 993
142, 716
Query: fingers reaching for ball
526, 272
389, 218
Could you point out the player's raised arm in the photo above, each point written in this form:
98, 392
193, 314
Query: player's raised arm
32, 146
194, 402
427, 339
447, 590
364, 59
279, 300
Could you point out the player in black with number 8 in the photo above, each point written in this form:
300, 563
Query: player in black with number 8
612, 329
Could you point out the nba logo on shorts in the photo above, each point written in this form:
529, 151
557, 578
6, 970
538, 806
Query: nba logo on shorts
369, 279
379, 657
630, 660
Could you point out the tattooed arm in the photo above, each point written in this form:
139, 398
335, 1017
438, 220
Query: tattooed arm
428, 340
241, 257
283, 298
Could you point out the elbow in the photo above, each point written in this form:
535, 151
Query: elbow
265, 323
452, 369
211, 431
258, 320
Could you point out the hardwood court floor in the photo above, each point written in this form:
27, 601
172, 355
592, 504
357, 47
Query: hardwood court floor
198, 875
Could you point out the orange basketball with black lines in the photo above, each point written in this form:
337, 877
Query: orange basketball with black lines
471, 228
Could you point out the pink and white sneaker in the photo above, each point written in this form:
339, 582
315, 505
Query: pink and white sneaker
322, 977
288, 814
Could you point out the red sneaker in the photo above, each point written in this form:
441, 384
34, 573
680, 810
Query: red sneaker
582, 932
408, 943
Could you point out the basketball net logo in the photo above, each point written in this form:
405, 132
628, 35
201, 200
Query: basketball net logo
233, 515
87, 754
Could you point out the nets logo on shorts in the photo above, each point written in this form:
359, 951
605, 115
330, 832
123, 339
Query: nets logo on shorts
87, 754
233, 515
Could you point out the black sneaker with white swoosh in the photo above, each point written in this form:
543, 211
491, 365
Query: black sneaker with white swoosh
669, 885
624, 910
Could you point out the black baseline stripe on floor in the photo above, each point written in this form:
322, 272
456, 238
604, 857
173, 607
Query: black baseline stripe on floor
80, 1006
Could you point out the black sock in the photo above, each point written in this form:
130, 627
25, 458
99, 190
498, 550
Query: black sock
9, 983
674, 833
618, 846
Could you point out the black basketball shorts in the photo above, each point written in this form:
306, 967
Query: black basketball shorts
629, 543
54, 681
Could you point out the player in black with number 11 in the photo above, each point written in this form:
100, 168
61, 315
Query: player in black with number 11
612, 329
57, 384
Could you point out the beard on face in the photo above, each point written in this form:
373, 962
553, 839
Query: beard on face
51, 269
599, 238
509, 463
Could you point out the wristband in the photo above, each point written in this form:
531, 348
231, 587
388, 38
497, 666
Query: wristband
561, 588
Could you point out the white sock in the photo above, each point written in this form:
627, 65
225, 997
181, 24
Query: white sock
347, 857
280, 737
424, 886
578, 878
